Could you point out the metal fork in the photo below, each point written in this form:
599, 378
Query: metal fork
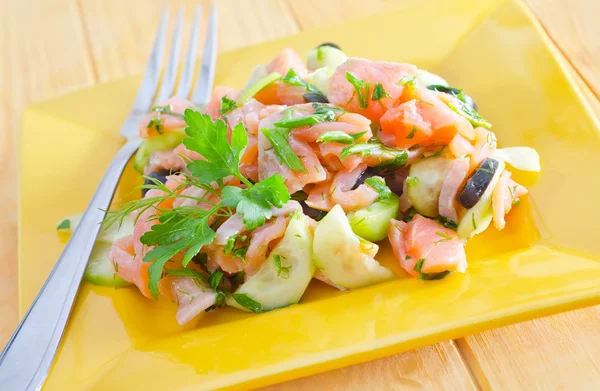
26, 359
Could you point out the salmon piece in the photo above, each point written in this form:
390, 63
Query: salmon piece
350, 200
227, 262
169, 122
440, 247
460, 146
397, 236
503, 195
269, 164
234, 225
425, 120
192, 298
181, 150
280, 93
287, 59
164, 160
249, 115
485, 145
249, 160
343, 94
450, 187
319, 197
259, 243
128, 265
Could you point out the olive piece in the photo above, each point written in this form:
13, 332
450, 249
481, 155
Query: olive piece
315, 97
476, 185
160, 175
331, 44
454, 92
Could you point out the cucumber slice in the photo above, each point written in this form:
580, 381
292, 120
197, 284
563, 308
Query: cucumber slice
337, 252
160, 142
273, 286
321, 78
249, 92
478, 218
424, 191
428, 78
100, 270
372, 222
325, 56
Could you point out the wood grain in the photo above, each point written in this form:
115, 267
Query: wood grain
437, 367
49, 51
43, 55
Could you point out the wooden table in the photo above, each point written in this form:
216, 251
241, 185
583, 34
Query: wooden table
58, 46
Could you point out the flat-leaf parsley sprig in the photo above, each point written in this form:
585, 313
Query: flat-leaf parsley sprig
186, 228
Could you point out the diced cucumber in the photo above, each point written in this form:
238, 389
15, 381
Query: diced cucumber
321, 78
424, 191
283, 278
325, 56
372, 222
100, 269
478, 218
521, 158
256, 87
159, 142
428, 78
337, 252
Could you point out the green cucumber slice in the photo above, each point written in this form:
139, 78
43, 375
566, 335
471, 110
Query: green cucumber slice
372, 222
325, 56
100, 270
425, 184
153, 144
337, 252
273, 286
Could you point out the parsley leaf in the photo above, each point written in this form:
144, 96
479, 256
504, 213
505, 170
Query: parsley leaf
362, 89
379, 92
215, 279
292, 79
65, 224
227, 105
209, 139
255, 202
278, 138
378, 184
247, 302
419, 265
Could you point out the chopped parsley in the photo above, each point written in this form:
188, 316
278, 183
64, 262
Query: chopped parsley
412, 133
388, 157
65, 224
166, 110
320, 54
461, 105
448, 223
419, 265
156, 124
473, 221
282, 271
434, 276
338, 136
362, 89
412, 180
215, 279
378, 184
278, 139
293, 79
444, 237
247, 302
227, 105
379, 92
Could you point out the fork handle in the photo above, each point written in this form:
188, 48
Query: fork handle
26, 359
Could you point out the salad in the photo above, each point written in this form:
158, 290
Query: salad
300, 175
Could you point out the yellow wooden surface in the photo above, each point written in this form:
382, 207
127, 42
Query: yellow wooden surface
50, 47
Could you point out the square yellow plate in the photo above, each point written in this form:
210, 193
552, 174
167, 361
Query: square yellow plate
545, 261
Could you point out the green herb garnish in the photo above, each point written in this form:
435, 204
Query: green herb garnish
247, 302
282, 271
434, 276
156, 124
412, 133
473, 221
419, 265
227, 105
379, 92
378, 184
448, 223
338, 136
166, 110
65, 224
362, 89
278, 139
388, 157
412, 180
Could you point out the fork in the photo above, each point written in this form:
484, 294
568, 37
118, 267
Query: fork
28, 356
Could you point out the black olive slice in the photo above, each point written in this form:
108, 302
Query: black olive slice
476, 185
333, 45
160, 175
315, 97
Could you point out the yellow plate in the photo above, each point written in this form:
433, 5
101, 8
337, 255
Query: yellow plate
545, 261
